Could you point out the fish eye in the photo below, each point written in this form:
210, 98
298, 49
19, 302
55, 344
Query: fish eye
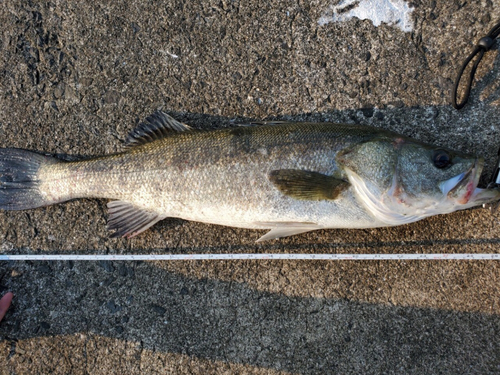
441, 159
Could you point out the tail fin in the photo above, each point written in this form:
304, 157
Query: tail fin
19, 183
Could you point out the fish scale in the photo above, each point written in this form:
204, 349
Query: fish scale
203, 174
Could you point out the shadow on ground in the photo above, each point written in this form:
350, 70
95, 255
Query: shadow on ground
228, 321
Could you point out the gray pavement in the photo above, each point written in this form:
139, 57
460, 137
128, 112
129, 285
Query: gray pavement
77, 76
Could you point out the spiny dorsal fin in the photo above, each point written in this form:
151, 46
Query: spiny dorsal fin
307, 185
129, 220
158, 125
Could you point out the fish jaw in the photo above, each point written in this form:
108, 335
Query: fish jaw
462, 189
465, 184
481, 196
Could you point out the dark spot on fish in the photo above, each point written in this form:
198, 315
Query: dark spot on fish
238, 131
241, 139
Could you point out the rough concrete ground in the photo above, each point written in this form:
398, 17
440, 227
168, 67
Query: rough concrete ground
77, 76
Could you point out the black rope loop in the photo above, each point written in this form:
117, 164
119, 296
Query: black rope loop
483, 45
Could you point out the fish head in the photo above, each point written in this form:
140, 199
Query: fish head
401, 180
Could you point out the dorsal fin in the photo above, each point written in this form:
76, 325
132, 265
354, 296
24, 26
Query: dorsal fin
158, 125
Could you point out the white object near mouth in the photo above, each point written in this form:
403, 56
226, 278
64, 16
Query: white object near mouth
447, 185
392, 12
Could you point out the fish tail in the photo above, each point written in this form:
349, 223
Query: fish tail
19, 181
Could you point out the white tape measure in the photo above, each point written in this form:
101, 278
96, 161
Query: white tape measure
255, 257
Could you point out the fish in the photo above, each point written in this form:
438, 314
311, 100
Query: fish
288, 178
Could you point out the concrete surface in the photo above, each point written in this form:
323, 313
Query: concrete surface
77, 76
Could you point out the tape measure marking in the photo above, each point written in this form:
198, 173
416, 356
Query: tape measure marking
254, 257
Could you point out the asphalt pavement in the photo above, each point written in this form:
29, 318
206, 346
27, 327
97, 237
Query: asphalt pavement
76, 77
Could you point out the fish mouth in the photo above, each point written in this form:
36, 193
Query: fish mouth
463, 187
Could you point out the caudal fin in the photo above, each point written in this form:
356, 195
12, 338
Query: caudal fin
19, 183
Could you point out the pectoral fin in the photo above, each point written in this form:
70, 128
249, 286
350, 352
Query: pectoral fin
307, 185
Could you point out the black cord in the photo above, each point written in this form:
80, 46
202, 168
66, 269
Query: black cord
484, 45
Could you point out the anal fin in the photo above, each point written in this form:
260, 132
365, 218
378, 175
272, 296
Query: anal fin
128, 220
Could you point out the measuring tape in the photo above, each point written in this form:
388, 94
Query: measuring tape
256, 257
